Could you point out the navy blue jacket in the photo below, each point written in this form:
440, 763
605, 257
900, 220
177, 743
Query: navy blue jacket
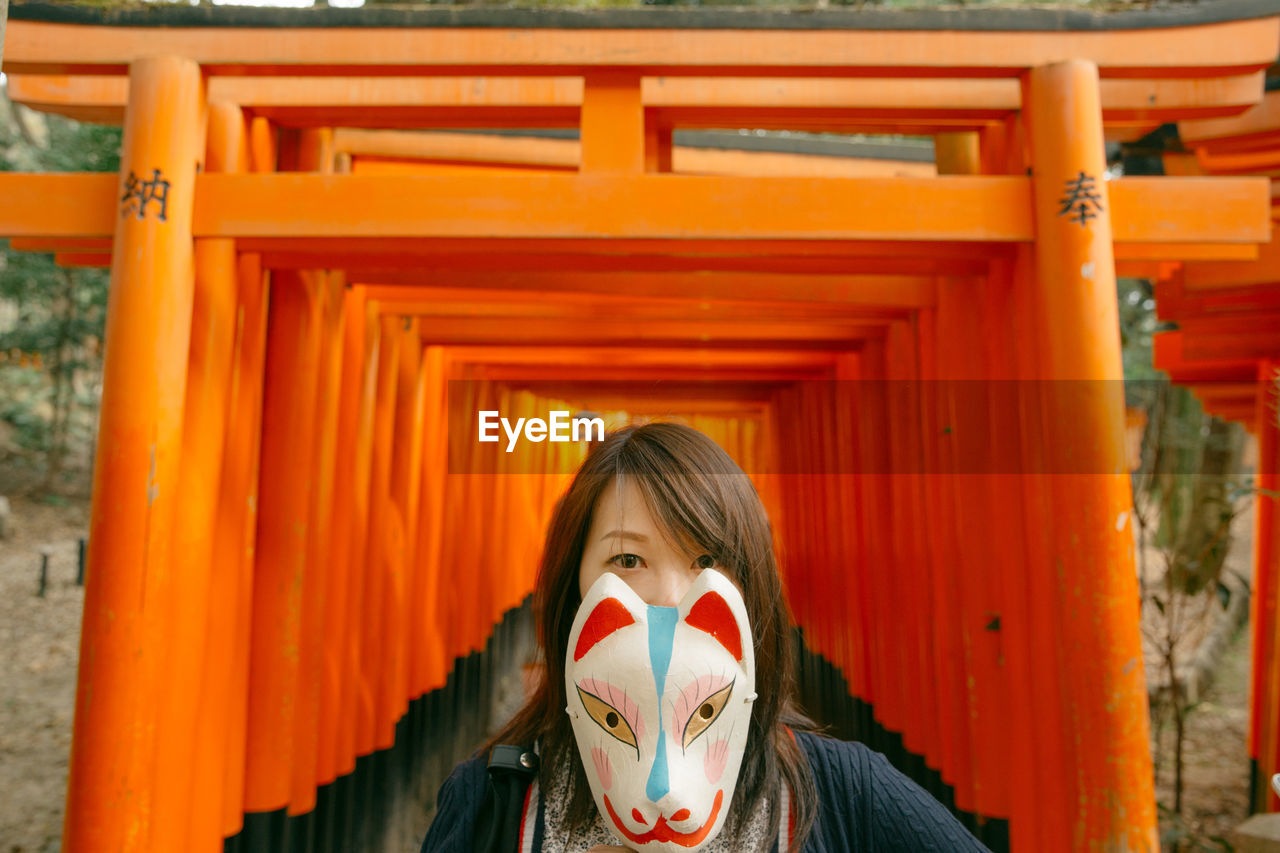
864, 804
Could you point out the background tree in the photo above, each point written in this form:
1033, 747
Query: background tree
51, 318
1187, 490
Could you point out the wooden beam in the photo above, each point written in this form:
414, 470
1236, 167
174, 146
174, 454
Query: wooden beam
1232, 346
1254, 324
1169, 353
1226, 392
1218, 275
90, 260
1172, 305
692, 357
406, 152
617, 206
672, 101
1181, 52
59, 205
623, 332
518, 373
638, 388
1186, 251
890, 294
617, 301
61, 244
1260, 120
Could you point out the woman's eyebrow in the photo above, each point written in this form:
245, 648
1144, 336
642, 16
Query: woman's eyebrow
625, 534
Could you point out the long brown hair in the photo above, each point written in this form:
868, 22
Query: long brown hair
700, 496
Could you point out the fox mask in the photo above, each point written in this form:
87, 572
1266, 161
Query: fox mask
660, 700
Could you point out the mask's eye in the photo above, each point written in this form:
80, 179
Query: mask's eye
706, 561
705, 714
608, 718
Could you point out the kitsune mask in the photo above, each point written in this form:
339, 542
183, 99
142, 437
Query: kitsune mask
660, 700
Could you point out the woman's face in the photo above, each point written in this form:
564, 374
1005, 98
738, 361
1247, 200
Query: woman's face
626, 540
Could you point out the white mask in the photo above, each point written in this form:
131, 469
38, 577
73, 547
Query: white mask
660, 699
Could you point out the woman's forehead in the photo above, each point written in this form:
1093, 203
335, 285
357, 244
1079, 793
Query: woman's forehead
621, 508
622, 513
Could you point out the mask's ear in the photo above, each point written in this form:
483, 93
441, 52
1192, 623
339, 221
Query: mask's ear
609, 605
713, 605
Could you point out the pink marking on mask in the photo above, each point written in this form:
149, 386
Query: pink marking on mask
717, 758
691, 699
618, 698
604, 769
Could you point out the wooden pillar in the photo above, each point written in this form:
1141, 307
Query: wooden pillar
657, 148
217, 710
315, 154
960, 572
850, 585
237, 537
372, 731
613, 137
187, 783
136, 470
406, 481
356, 713
333, 757
957, 153
1028, 622
435, 464
885, 689
981, 728
1090, 561
907, 572
288, 435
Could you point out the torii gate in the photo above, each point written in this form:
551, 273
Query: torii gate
1226, 351
977, 542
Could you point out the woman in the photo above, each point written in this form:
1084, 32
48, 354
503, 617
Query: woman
657, 505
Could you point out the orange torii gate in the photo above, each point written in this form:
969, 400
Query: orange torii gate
921, 371
1226, 350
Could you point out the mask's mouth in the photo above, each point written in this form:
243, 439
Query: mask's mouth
665, 834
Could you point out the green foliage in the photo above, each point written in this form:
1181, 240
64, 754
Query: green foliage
51, 318
1188, 484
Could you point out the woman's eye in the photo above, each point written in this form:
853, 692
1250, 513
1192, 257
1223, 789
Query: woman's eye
626, 561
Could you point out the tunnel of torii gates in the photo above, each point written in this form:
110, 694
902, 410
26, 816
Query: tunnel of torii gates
331, 245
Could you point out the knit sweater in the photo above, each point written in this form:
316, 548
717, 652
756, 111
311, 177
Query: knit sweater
864, 805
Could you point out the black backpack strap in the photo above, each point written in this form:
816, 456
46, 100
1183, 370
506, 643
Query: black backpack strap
511, 770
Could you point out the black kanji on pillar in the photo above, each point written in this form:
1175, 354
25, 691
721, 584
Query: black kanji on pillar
139, 193
1080, 200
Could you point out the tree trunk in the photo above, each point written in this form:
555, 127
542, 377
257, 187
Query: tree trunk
63, 392
1206, 537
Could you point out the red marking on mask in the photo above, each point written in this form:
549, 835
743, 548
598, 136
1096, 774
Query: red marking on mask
638, 818
683, 814
607, 617
711, 613
663, 833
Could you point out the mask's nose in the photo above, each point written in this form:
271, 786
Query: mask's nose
659, 783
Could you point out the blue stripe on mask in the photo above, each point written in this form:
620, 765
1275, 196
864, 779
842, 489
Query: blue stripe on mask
662, 634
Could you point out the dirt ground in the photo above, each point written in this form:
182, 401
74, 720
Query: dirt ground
1216, 774
1216, 758
40, 641
39, 638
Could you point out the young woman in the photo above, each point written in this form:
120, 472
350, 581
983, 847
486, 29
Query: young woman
657, 505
